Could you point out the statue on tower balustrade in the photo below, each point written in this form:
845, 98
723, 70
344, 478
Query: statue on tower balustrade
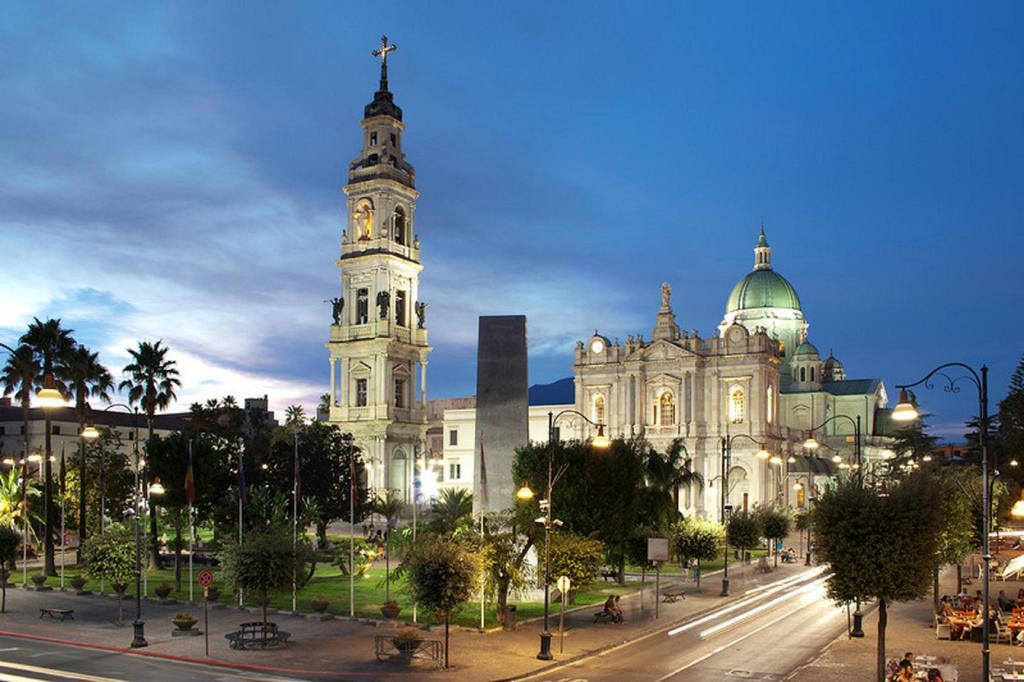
337, 308
421, 314
384, 303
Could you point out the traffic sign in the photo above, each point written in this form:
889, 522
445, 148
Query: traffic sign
205, 578
563, 584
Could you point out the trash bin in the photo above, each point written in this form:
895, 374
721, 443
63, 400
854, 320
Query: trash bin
508, 618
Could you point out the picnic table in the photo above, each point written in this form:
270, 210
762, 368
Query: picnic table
671, 596
257, 635
385, 648
58, 614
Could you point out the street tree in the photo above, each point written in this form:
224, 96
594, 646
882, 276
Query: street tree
10, 539
390, 506
956, 541
744, 530
504, 549
86, 378
451, 510
577, 557
110, 557
151, 381
443, 574
19, 377
696, 539
775, 524
265, 563
879, 547
664, 475
51, 344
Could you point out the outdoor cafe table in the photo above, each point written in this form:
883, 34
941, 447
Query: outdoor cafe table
922, 664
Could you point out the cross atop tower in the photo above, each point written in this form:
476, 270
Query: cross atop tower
383, 52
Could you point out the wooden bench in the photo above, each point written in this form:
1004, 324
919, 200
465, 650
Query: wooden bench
609, 574
672, 596
62, 614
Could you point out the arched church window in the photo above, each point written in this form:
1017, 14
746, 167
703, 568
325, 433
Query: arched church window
599, 409
812, 374
770, 401
667, 408
737, 405
399, 222
362, 219
803, 374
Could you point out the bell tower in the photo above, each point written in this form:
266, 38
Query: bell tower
378, 340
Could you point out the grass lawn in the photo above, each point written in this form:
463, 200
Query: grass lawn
369, 594
705, 566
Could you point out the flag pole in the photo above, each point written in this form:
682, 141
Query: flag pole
295, 517
191, 526
63, 541
415, 489
241, 483
352, 536
24, 515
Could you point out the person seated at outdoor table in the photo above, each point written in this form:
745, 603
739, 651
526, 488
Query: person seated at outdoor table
935, 675
947, 610
905, 672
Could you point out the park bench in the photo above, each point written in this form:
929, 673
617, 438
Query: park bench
609, 574
257, 635
603, 616
62, 614
672, 596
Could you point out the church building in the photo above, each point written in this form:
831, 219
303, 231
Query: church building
378, 344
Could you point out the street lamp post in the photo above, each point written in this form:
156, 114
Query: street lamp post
906, 411
599, 441
726, 457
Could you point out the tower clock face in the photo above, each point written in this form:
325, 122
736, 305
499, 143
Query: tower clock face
597, 346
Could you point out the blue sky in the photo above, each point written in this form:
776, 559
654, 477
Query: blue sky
174, 171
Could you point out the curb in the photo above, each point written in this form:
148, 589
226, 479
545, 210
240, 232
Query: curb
212, 662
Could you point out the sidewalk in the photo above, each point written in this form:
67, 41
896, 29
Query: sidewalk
910, 628
342, 649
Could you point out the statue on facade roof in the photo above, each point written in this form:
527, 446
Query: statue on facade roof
666, 294
421, 314
337, 307
383, 302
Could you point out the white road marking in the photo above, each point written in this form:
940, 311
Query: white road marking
62, 674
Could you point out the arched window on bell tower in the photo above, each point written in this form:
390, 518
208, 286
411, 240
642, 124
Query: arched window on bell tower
599, 409
667, 408
400, 225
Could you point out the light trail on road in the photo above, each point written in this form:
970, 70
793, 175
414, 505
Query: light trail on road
817, 586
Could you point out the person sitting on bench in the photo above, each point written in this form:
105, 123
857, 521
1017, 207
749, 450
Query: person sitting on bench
612, 608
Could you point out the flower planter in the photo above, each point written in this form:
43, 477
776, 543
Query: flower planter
319, 605
184, 627
40, 583
390, 610
78, 584
163, 590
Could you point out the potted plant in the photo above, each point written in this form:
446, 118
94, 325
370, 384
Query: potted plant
40, 581
184, 622
390, 610
407, 641
163, 590
319, 604
78, 583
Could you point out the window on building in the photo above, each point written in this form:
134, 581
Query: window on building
803, 374
599, 409
393, 161
21, 429
362, 306
770, 404
454, 472
373, 138
394, 140
373, 160
453, 437
400, 307
400, 225
737, 405
667, 409
399, 392
360, 392
812, 374
55, 429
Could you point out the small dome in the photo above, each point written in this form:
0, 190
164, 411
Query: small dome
806, 348
831, 363
762, 289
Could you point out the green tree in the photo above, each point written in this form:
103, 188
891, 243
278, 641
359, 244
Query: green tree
294, 416
265, 563
51, 344
504, 551
12, 502
776, 524
151, 382
452, 510
20, 376
443, 574
664, 475
956, 539
111, 557
744, 530
1011, 413
912, 442
86, 378
390, 506
696, 539
10, 539
575, 556
878, 547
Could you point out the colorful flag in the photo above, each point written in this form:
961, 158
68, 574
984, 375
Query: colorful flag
483, 476
63, 474
298, 475
190, 482
241, 481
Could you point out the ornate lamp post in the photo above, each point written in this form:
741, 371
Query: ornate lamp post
599, 441
906, 411
762, 454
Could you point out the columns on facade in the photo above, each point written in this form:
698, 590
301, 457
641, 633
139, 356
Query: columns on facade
334, 374
423, 384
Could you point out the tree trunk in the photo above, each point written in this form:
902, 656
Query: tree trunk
3, 600
698, 575
155, 553
935, 588
321, 532
120, 604
49, 564
446, 619
883, 618
959, 579
775, 549
621, 577
177, 550
263, 602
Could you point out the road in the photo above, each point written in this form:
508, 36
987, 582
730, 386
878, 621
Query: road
22, 660
766, 635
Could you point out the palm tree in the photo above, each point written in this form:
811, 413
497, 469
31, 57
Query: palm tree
666, 474
20, 376
451, 508
151, 381
51, 345
294, 415
13, 498
86, 378
390, 506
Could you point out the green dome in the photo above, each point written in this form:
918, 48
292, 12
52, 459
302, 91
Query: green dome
762, 289
806, 348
